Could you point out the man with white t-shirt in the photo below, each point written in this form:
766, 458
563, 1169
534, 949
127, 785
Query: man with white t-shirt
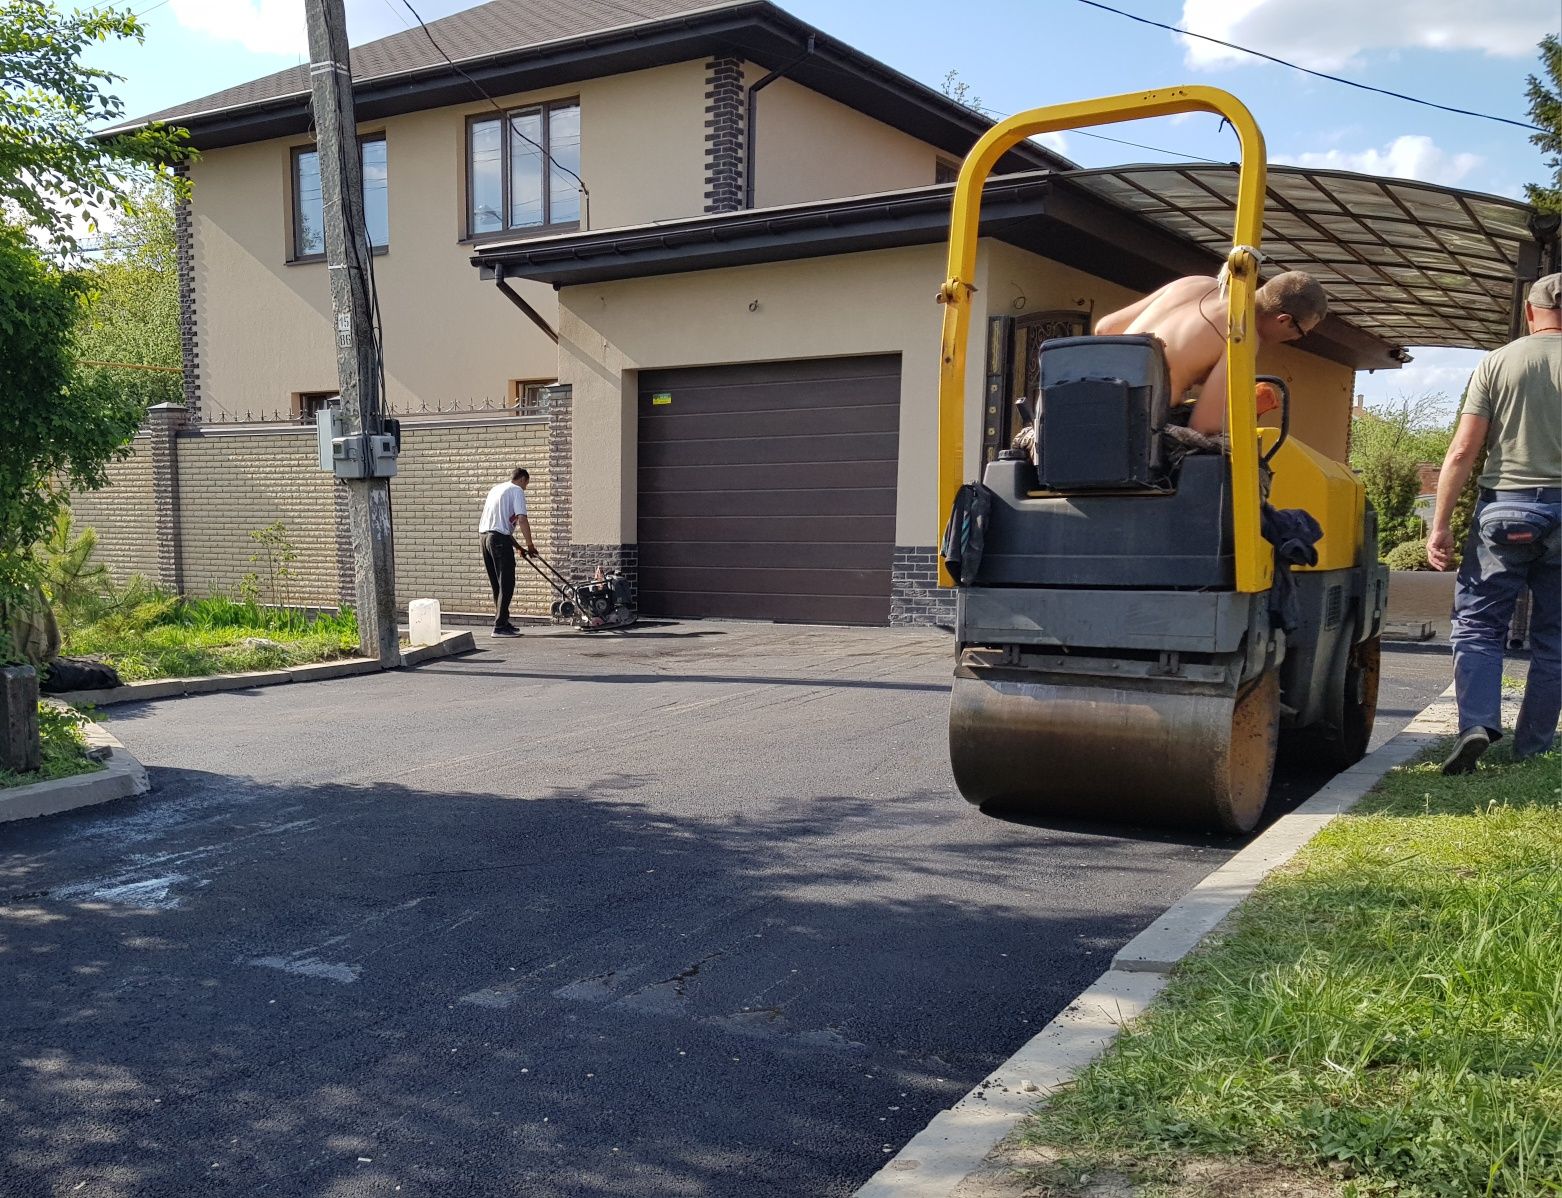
504, 515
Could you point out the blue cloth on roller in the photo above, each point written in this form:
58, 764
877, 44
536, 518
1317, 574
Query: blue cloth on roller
1295, 535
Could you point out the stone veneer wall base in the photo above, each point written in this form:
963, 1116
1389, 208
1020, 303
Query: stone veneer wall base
915, 596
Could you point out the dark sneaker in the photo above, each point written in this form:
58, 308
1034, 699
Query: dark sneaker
1467, 751
507, 630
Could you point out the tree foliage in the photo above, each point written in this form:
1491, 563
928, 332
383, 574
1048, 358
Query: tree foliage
1388, 447
52, 165
59, 429
958, 90
131, 314
1545, 110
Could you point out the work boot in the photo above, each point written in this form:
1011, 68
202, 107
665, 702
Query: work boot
1467, 751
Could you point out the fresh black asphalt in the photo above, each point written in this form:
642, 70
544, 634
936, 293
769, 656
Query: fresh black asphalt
693, 912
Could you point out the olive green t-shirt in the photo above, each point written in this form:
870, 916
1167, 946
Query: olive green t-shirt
1519, 389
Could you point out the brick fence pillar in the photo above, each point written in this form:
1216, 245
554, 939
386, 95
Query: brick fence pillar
561, 473
163, 422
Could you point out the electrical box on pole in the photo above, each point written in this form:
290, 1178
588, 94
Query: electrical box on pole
362, 453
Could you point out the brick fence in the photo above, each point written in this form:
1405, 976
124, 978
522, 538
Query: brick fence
181, 508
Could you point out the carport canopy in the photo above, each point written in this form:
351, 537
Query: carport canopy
1412, 263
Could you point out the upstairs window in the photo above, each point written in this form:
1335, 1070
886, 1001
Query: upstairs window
308, 206
522, 180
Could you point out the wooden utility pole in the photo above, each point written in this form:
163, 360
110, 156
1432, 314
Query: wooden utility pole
347, 258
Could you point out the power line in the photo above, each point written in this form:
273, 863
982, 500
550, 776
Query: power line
480, 91
1367, 87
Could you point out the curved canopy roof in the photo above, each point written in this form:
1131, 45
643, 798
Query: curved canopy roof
1413, 263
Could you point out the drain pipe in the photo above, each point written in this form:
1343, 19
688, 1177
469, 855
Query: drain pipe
519, 300
753, 113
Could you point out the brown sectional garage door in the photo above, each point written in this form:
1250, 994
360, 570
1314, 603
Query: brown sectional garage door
767, 491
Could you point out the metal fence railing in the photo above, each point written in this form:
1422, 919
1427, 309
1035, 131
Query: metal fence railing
531, 403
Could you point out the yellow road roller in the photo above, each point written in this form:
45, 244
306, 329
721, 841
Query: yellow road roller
1123, 651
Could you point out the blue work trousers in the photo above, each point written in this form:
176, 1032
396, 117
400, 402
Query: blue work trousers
1491, 578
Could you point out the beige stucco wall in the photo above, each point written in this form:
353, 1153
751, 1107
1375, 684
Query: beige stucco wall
1321, 393
437, 495
876, 302
124, 516
264, 325
810, 147
234, 482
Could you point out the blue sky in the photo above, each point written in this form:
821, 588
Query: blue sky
1016, 54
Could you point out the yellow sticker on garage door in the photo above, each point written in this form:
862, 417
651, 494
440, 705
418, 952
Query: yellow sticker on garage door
660, 398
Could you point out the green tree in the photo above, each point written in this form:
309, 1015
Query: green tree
1545, 110
1388, 445
59, 427
52, 164
131, 316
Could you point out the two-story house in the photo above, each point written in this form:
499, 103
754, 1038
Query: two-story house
733, 226
554, 118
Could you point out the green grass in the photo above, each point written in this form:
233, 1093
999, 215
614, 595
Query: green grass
1391, 1003
163, 636
64, 748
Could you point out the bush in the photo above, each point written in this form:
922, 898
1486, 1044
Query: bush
1407, 555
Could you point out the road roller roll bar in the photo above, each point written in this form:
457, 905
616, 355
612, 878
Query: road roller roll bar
1253, 560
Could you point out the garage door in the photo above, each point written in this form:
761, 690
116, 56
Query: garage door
767, 491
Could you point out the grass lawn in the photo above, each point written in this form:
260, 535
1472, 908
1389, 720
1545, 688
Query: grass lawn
1383, 1017
64, 749
169, 637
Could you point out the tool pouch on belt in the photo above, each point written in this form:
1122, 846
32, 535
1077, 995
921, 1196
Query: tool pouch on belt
1512, 522
966, 532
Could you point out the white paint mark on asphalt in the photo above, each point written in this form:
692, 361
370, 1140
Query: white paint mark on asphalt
153, 894
311, 967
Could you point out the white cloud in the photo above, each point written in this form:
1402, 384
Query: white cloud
260, 26
1411, 156
1055, 142
1327, 35
1434, 371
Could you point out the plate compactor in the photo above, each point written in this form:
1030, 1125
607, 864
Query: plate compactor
1128, 649
596, 606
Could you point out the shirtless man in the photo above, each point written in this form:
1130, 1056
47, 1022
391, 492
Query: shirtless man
1189, 316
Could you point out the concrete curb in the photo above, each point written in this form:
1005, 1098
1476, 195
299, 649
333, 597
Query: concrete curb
449, 645
169, 688
954, 1145
121, 776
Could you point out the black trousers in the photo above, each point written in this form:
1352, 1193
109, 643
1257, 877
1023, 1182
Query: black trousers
499, 561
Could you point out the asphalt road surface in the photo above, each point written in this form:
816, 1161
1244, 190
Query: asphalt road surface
691, 912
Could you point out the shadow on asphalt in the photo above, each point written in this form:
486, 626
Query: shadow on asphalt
836, 683
328, 989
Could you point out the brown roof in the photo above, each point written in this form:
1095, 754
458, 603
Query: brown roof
495, 28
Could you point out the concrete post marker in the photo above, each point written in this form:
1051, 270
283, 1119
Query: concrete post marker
19, 749
953, 1146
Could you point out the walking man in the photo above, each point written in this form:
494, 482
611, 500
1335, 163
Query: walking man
504, 515
1512, 410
